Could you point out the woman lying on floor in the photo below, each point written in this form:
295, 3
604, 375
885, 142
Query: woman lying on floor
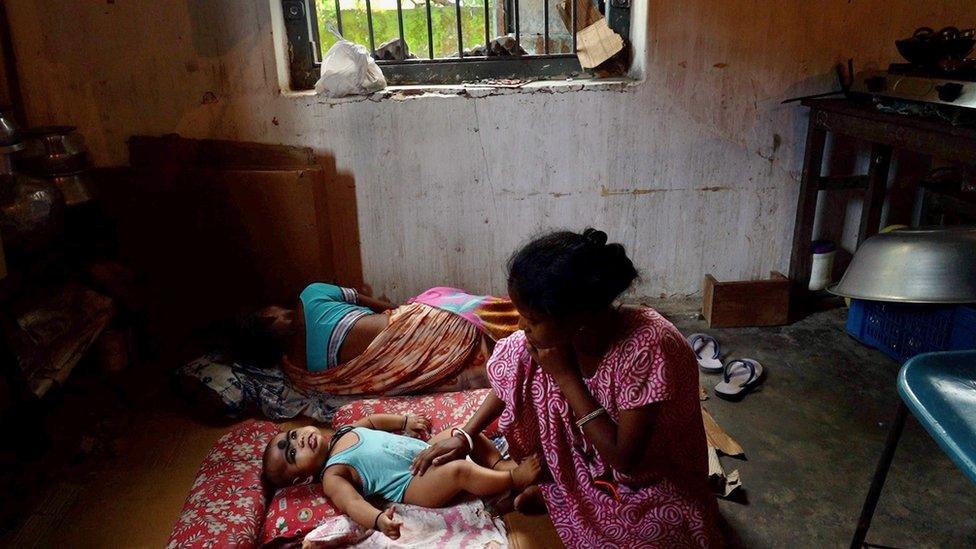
341, 342
366, 459
608, 395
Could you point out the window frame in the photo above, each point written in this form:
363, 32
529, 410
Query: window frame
304, 62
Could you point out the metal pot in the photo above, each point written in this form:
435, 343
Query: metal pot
9, 133
929, 48
50, 150
31, 211
914, 266
75, 187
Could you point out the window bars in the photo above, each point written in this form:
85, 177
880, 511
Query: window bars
301, 25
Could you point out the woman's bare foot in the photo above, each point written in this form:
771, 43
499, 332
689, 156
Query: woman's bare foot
526, 472
530, 501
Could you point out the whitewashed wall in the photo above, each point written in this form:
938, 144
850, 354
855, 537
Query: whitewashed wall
694, 171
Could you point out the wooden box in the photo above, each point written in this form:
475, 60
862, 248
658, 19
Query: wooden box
746, 303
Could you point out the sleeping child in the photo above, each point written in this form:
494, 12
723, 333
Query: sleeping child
366, 459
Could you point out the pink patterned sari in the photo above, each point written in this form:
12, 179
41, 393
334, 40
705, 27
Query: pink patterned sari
669, 506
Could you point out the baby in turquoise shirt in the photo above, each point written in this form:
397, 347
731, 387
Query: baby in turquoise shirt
367, 459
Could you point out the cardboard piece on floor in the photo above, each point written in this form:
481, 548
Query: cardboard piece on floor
718, 438
722, 484
597, 43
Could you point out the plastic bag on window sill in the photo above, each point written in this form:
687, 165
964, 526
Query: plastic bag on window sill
349, 69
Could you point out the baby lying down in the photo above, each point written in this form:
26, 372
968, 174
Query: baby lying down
365, 459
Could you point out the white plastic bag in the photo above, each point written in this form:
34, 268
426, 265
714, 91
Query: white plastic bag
348, 69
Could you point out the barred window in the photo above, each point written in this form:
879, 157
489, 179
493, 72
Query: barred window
447, 41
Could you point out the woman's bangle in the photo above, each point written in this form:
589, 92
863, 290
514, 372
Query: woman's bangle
377, 520
405, 416
590, 417
467, 437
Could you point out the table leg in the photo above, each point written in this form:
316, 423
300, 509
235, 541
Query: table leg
806, 204
880, 474
875, 195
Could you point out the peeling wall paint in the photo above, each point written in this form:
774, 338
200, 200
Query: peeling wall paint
695, 170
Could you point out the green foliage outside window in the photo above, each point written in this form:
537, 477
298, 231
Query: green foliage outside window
385, 27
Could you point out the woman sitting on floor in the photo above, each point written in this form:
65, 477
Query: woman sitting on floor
608, 395
341, 342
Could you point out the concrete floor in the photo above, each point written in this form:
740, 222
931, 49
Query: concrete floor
812, 437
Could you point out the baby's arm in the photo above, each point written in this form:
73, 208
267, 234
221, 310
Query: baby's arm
410, 424
345, 496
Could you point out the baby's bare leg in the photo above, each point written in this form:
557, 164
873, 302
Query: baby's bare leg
439, 485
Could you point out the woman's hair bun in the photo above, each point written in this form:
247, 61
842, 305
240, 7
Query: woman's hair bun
565, 272
594, 236
616, 251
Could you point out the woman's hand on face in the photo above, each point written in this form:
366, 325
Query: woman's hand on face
443, 451
558, 361
417, 426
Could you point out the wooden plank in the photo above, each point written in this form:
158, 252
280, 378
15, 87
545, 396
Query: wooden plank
211, 244
746, 303
806, 205
842, 182
875, 195
708, 295
178, 152
338, 203
938, 139
3, 260
867, 111
258, 237
10, 94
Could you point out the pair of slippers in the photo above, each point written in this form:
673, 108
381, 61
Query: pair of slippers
739, 376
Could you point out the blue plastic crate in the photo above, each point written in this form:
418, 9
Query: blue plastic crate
903, 330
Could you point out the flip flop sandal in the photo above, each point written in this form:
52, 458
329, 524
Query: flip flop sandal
740, 376
707, 351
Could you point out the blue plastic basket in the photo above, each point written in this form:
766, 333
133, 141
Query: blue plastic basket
903, 330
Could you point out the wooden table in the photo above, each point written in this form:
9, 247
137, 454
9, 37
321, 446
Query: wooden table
885, 132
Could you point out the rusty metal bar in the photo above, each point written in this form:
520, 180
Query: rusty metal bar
457, 12
369, 23
574, 24
338, 17
487, 29
545, 31
403, 41
518, 39
430, 32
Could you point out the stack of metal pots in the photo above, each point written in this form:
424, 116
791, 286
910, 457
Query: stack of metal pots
58, 154
31, 209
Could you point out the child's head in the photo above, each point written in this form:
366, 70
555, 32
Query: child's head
559, 280
295, 456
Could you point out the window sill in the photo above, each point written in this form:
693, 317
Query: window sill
475, 90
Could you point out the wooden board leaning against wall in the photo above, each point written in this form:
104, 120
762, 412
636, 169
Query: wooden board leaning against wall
218, 227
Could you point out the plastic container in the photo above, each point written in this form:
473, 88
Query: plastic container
822, 265
903, 330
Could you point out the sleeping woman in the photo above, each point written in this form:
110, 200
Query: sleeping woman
338, 341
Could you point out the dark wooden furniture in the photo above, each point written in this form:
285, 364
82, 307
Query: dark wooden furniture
885, 132
746, 302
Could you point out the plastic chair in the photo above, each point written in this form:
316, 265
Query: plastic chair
940, 391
